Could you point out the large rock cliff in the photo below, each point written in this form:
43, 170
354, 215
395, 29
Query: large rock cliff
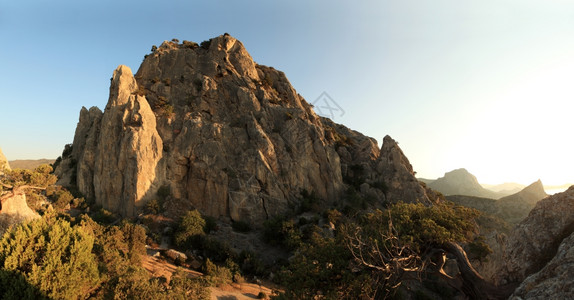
225, 135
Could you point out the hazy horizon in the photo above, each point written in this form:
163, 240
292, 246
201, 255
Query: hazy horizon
485, 86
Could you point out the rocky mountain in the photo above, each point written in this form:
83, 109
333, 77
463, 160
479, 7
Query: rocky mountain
225, 135
512, 209
3, 162
515, 208
461, 182
538, 251
30, 164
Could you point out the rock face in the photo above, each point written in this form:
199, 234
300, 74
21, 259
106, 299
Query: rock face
4, 165
14, 209
536, 240
554, 281
116, 153
226, 136
461, 182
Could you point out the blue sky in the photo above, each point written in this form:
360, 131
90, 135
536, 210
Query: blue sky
485, 85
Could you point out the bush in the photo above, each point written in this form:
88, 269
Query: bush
190, 228
241, 226
210, 224
163, 192
217, 275
205, 44
479, 249
168, 110
191, 288
191, 45
309, 202
61, 199
104, 216
153, 207
53, 256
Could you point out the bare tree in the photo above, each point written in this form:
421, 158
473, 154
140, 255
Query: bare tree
385, 254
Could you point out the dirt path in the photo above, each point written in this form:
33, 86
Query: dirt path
244, 291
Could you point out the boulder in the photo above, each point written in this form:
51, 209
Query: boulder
4, 165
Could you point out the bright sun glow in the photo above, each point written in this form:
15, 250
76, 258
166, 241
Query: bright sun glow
512, 137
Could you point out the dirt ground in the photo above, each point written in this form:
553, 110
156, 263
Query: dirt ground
244, 291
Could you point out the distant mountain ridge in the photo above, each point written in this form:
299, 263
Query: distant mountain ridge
29, 164
461, 182
512, 209
508, 188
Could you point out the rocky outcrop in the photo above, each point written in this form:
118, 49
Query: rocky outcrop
115, 154
14, 208
461, 182
554, 281
226, 136
395, 170
535, 241
4, 165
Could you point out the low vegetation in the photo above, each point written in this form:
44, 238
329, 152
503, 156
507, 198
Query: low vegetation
350, 250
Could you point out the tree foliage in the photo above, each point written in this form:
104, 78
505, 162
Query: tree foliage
191, 226
370, 255
53, 256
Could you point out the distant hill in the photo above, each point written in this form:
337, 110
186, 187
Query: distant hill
515, 208
461, 182
507, 188
29, 163
512, 209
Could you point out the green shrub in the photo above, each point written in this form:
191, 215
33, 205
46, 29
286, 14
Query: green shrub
251, 264
191, 45
210, 224
168, 110
191, 288
104, 216
163, 192
241, 226
60, 198
205, 44
479, 249
153, 207
190, 229
53, 256
309, 202
217, 275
